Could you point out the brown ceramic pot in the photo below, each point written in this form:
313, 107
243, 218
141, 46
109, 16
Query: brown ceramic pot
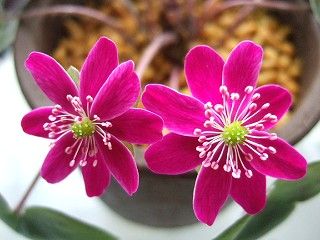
166, 201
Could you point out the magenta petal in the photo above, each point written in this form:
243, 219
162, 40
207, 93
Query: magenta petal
52, 79
287, 163
121, 164
242, 69
181, 114
280, 101
137, 126
173, 155
56, 166
96, 178
118, 93
203, 69
211, 191
250, 193
32, 122
101, 61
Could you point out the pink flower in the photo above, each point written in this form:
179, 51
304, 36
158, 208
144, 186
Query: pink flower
88, 123
224, 128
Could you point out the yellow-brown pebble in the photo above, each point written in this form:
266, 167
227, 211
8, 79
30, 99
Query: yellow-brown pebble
280, 65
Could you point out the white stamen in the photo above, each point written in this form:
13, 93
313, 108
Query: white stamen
249, 173
272, 150
95, 163
52, 118
208, 105
273, 118
83, 163
197, 132
51, 135
234, 96
213, 139
214, 165
69, 97
265, 106
264, 156
223, 90
248, 89
261, 148
227, 168
89, 99
255, 97
219, 108
259, 127
273, 136
252, 107
237, 173
72, 162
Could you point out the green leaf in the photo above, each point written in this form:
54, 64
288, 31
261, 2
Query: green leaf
6, 215
233, 232
315, 6
258, 225
74, 74
44, 223
281, 203
301, 190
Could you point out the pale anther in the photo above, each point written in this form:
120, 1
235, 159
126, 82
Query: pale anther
256, 96
248, 89
234, 96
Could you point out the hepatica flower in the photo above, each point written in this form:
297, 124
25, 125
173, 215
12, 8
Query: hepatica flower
88, 123
223, 127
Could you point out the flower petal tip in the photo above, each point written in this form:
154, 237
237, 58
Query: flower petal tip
104, 40
129, 64
133, 189
204, 219
31, 58
250, 44
95, 194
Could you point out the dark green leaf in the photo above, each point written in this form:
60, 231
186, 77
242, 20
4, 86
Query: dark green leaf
74, 74
281, 202
6, 215
315, 6
301, 190
44, 223
233, 231
274, 213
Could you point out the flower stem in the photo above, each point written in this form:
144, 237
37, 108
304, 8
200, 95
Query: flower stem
65, 9
215, 9
174, 78
25, 197
152, 49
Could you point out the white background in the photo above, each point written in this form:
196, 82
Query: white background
21, 156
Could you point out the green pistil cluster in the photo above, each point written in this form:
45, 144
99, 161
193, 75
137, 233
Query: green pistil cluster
234, 133
85, 128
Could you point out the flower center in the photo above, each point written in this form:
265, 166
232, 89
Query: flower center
82, 129
234, 133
